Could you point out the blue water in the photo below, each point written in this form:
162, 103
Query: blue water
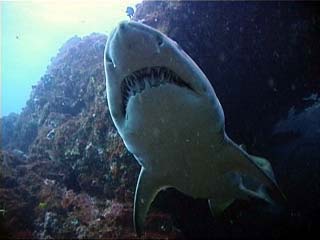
32, 33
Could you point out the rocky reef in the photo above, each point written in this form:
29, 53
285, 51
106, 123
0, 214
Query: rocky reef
64, 170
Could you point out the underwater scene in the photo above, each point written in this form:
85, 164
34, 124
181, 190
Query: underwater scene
188, 120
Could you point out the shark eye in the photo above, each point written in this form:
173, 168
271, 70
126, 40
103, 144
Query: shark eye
160, 41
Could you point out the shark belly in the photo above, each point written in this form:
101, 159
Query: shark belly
169, 127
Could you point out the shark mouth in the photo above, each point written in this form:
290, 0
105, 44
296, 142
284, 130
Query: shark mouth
146, 78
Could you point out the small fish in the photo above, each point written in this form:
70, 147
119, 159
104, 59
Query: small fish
130, 12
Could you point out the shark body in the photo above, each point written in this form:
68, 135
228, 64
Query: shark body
171, 120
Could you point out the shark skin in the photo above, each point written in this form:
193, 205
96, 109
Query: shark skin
170, 119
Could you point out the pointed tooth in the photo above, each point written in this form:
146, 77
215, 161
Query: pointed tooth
151, 73
127, 87
150, 81
166, 75
142, 85
135, 81
161, 75
147, 83
163, 79
138, 75
132, 82
172, 79
129, 83
134, 78
155, 72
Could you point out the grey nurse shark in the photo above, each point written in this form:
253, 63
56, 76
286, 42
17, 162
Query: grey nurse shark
171, 120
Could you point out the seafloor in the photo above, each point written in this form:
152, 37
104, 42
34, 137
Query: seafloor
65, 173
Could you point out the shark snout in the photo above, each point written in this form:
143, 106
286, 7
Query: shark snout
136, 39
124, 31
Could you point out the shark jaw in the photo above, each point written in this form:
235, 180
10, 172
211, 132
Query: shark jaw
147, 78
154, 102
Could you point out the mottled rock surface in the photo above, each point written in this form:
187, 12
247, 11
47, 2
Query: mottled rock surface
65, 172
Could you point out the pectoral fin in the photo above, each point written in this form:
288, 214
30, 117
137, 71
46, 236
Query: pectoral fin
147, 188
256, 168
265, 166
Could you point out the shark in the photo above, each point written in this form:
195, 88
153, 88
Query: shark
170, 119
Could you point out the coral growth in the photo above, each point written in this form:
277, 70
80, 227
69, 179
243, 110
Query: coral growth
64, 170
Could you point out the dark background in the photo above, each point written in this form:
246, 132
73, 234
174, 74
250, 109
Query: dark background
262, 59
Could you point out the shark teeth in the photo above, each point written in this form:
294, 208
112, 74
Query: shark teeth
146, 78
